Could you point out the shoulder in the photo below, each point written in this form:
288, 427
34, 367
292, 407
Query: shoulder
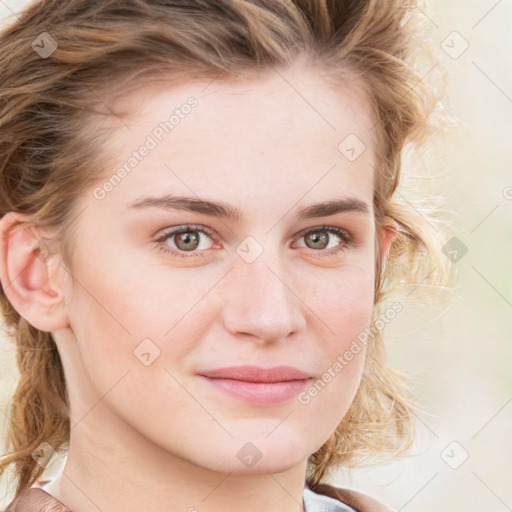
357, 500
35, 499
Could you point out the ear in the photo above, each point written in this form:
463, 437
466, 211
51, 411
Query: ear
388, 232
29, 274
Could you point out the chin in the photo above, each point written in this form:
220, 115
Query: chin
268, 463
260, 454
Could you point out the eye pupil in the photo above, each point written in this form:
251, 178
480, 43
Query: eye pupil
316, 238
186, 238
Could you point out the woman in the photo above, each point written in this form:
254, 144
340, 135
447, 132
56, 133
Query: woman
197, 235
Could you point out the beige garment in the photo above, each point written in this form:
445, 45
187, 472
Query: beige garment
357, 500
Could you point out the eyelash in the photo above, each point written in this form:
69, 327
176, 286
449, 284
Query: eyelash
346, 237
340, 232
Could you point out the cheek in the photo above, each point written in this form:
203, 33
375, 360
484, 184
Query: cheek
345, 308
344, 299
352, 309
131, 317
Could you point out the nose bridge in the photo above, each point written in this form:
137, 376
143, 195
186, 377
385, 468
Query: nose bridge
260, 301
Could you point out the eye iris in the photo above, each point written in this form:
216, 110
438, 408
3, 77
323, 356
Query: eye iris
316, 238
186, 238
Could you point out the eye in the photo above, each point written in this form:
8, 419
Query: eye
321, 239
194, 240
186, 239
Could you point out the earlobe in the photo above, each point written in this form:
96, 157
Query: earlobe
28, 275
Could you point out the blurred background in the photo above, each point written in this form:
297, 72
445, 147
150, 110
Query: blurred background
460, 357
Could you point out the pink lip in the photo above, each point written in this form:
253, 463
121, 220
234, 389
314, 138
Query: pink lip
255, 374
258, 385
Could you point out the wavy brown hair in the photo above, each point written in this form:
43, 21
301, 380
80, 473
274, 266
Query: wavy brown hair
52, 149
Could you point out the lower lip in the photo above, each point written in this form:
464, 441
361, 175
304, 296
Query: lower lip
261, 393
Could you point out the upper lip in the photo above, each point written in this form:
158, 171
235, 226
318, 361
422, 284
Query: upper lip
256, 374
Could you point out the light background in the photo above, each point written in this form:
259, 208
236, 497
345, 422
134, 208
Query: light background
462, 360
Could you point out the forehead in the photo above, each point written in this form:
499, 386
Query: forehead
285, 130
297, 92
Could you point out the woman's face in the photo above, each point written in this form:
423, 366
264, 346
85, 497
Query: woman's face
149, 318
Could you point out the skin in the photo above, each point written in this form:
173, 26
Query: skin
158, 437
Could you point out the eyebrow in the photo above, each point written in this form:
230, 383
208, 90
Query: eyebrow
224, 210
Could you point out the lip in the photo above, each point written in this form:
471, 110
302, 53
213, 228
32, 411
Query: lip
256, 374
258, 386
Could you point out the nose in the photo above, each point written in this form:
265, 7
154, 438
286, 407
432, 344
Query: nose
261, 302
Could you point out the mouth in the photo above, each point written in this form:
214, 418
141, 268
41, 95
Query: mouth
258, 386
